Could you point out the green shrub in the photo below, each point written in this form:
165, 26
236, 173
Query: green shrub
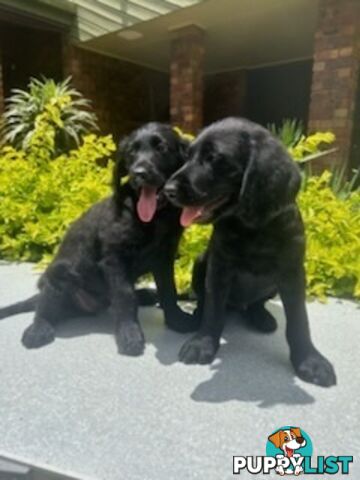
192, 244
302, 148
40, 196
63, 106
333, 241
41, 193
289, 132
311, 147
333, 238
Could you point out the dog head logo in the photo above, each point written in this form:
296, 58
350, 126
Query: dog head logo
289, 443
288, 440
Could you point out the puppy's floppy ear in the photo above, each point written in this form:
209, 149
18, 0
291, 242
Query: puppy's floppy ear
184, 148
271, 181
120, 170
296, 431
275, 439
183, 145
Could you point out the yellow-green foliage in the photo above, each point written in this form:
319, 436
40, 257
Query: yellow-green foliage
193, 243
40, 197
310, 145
57, 104
186, 136
333, 239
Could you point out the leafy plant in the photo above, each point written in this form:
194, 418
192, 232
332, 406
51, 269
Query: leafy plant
302, 148
192, 244
39, 198
341, 185
65, 107
186, 136
332, 223
333, 238
289, 132
311, 147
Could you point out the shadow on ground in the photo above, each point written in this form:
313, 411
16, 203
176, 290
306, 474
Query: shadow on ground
250, 366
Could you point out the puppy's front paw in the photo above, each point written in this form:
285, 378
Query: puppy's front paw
182, 322
39, 333
316, 369
199, 349
130, 339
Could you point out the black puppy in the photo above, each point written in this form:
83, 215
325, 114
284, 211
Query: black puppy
131, 233
239, 177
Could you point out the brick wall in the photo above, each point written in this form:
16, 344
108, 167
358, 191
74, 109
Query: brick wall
336, 73
124, 95
186, 78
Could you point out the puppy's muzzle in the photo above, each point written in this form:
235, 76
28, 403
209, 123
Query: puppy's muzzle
142, 174
171, 191
180, 192
139, 172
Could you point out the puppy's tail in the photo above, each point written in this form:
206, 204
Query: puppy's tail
28, 305
147, 297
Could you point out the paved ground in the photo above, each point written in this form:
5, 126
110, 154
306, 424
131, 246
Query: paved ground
78, 406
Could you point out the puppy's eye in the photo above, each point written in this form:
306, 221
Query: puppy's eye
209, 157
135, 147
162, 147
212, 157
286, 439
159, 144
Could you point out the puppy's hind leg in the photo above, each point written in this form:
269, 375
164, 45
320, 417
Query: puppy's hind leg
258, 318
247, 299
52, 305
48, 311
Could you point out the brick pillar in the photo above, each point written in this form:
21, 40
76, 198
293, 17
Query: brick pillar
186, 78
336, 71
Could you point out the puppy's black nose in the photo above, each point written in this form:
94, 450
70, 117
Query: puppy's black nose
139, 172
170, 190
300, 440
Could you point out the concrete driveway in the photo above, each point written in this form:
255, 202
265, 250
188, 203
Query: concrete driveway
77, 406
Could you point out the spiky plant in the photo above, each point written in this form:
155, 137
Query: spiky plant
69, 112
289, 132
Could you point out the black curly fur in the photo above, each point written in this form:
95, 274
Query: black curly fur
109, 247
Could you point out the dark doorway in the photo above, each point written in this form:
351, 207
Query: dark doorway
28, 52
278, 92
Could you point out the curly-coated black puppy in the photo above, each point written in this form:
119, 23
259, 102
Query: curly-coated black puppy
131, 233
239, 177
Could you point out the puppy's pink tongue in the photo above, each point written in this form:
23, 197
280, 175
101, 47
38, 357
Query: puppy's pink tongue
146, 205
190, 214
